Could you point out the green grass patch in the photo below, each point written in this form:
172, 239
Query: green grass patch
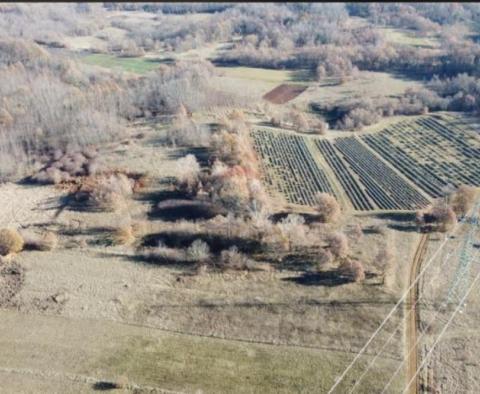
406, 37
187, 363
137, 65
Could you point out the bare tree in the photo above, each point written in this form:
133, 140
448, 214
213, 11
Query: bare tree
352, 270
324, 258
463, 199
338, 244
327, 207
188, 172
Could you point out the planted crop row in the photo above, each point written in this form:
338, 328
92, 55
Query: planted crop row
289, 167
432, 153
385, 187
354, 191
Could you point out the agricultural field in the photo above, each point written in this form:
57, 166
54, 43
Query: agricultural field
367, 181
259, 74
406, 37
366, 85
290, 167
434, 152
399, 167
382, 184
138, 65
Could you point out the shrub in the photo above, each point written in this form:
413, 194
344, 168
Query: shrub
327, 207
62, 166
384, 257
110, 192
321, 128
352, 270
440, 214
143, 181
338, 244
121, 382
123, 235
10, 242
188, 171
357, 233
234, 260
198, 251
324, 258
293, 230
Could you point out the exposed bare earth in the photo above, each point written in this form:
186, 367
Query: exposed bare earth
413, 316
284, 93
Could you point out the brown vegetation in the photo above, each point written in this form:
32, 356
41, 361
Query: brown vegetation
352, 270
232, 259
338, 244
123, 235
327, 207
463, 199
10, 242
440, 214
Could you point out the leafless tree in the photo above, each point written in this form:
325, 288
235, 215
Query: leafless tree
327, 207
338, 244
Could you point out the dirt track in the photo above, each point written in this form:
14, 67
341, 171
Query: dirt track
412, 314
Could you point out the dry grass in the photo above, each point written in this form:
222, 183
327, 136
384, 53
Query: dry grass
10, 242
123, 235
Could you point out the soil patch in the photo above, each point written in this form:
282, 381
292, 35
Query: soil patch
284, 93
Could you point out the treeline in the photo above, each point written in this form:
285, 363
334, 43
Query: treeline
50, 103
169, 8
322, 37
459, 93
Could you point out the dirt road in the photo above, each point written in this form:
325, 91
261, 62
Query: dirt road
412, 313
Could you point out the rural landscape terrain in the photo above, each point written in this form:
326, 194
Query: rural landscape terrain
240, 197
